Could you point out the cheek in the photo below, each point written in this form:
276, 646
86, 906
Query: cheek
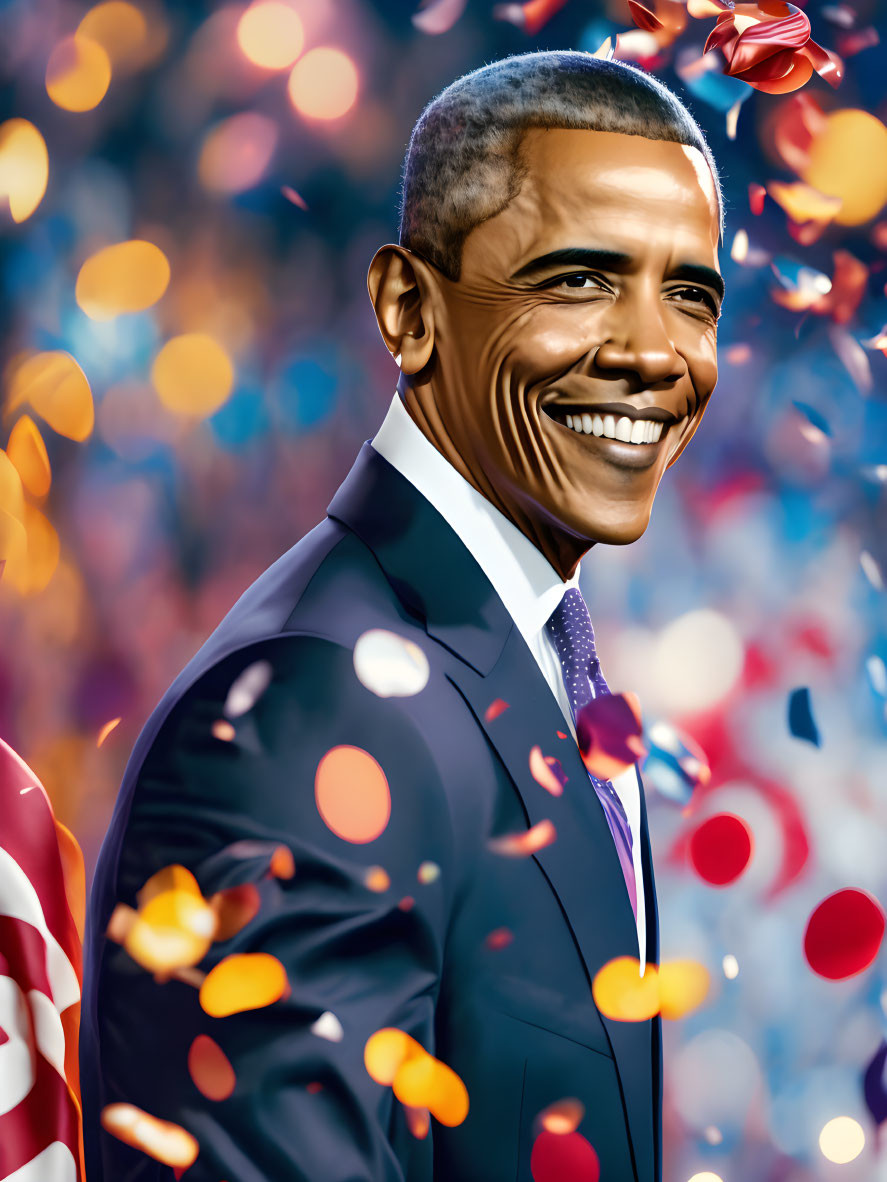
547, 341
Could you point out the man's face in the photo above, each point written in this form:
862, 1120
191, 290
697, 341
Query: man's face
525, 337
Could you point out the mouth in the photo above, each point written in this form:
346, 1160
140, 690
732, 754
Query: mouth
626, 442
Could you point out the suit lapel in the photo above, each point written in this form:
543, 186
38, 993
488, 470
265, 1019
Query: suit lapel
437, 578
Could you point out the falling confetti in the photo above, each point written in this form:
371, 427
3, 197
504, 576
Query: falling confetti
247, 688
106, 730
390, 665
210, 1069
160, 1139
559, 1156
547, 771
438, 16
608, 731
521, 845
244, 981
564, 1116
352, 794
495, 708
328, 1026
844, 934
800, 716
234, 908
721, 849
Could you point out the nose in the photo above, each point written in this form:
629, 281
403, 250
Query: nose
640, 340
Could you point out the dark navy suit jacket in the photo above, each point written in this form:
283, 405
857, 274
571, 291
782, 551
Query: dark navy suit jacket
514, 1018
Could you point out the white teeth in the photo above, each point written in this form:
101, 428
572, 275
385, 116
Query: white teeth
638, 432
597, 424
623, 429
586, 423
569, 420
610, 426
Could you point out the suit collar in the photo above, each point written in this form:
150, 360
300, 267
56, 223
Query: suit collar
424, 559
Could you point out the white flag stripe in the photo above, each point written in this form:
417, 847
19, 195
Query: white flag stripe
54, 1164
49, 1033
19, 900
18, 1067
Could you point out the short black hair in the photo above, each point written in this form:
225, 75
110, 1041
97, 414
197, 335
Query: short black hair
463, 162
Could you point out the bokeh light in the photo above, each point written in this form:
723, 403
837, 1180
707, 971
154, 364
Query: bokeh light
126, 277
271, 34
24, 167
55, 386
352, 794
323, 84
27, 451
848, 159
192, 374
721, 848
78, 74
236, 152
621, 993
842, 1139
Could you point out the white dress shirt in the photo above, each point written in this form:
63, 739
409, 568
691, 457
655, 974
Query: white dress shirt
524, 579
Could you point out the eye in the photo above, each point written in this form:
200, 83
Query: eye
565, 280
707, 297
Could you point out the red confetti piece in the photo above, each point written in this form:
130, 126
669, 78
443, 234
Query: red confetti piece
499, 938
775, 54
849, 44
418, 1120
494, 709
844, 934
721, 848
282, 862
210, 1069
563, 1157
799, 120
234, 908
406, 903
756, 195
561, 735
314, 1087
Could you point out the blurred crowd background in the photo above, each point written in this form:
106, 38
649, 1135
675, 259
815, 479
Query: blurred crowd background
179, 411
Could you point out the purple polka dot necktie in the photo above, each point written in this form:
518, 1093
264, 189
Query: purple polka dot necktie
569, 627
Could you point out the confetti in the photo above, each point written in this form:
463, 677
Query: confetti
352, 794
210, 1068
844, 934
800, 716
247, 688
495, 708
621, 993
165, 1142
559, 1156
390, 665
244, 981
608, 730
564, 1116
520, 845
438, 16
106, 730
547, 771
721, 849
328, 1026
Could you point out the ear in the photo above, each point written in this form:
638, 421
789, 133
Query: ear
401, 288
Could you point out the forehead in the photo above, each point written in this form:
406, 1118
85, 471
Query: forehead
582, 188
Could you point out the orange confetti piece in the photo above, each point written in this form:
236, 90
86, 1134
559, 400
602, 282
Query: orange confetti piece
210, 1068
423, 1081
386, 1050
106, 730
234, 907
164, 1141
27, 451
564, 1116
224, 730
283, 864
171, 878
542, 771
352, 794
543, 833
246, 981
620, 992
377, 879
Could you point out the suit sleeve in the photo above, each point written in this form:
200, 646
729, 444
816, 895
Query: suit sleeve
304, 1106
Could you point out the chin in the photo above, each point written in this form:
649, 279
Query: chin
613, 532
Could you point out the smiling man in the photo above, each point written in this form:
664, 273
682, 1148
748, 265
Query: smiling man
407, 681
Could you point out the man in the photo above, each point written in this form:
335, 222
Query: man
406, 682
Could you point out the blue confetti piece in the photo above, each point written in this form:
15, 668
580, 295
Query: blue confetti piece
800, 716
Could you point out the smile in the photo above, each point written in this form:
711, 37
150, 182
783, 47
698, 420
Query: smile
611, 426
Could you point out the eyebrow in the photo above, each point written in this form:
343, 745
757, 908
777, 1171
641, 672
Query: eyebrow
587, 256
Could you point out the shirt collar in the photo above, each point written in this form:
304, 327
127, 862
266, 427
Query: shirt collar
524, 579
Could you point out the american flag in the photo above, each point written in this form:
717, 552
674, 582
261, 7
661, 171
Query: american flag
41, 928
